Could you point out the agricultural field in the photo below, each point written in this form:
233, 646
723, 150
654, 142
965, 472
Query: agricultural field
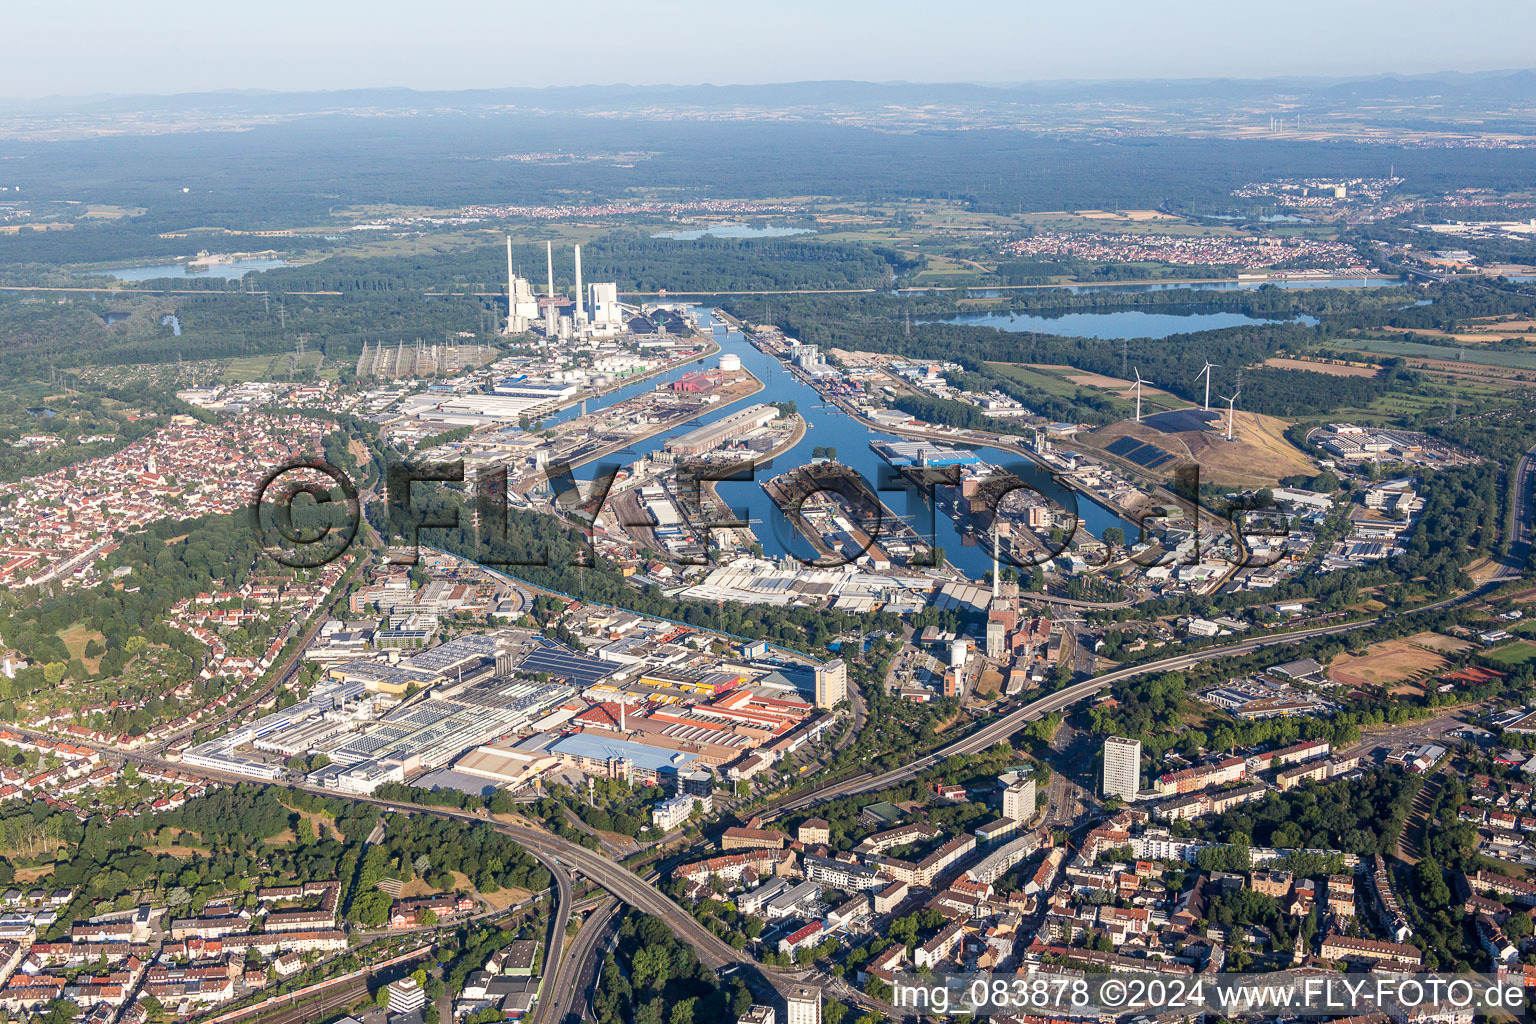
1124, 222
1435, 354
1479, 331
1337, 369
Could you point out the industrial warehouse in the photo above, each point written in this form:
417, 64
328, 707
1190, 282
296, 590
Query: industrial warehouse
712, 435
647, 704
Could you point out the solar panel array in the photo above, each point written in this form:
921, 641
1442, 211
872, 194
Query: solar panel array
1122, 445
1139, 452
564, 663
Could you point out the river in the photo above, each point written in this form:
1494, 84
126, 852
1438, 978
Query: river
827, 426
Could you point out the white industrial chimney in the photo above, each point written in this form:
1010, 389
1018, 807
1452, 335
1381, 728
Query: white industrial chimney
549, 310
512, 289
581, 315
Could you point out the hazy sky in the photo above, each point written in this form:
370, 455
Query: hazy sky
78, 47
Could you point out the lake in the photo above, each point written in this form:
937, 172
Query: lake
733, 231
224, 271
1124, 323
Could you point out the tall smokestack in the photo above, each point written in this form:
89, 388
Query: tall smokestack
549, 310
512, 290
580, 312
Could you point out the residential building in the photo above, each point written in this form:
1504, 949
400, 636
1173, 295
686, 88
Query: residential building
405, 996
803, 1006
814, 832
1122, 767
831, 686
1019, 801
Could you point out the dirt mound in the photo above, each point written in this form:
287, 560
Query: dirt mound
1257, 456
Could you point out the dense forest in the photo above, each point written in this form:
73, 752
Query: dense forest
393, 299
449, 158
1361, 816
35, 337
635, 261
652, 977
434, 849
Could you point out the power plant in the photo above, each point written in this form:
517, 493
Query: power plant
598, 312
522, 305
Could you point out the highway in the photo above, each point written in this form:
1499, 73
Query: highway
573, 978
1525, 484
561, 857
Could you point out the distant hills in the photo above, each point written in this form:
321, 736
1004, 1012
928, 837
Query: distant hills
1498, 87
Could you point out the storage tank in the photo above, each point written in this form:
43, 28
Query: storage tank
730, 362
957, 654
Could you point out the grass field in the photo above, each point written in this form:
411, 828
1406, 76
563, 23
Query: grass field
1439, 353
275, 367
1439, 393
1039, 377
76, 637
1069, 382
947, 268
1517, 653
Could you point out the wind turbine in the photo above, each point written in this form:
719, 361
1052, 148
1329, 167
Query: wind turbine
1231, 413
1139, 383
1206, 373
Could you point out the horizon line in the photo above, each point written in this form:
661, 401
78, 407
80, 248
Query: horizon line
1000, 85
